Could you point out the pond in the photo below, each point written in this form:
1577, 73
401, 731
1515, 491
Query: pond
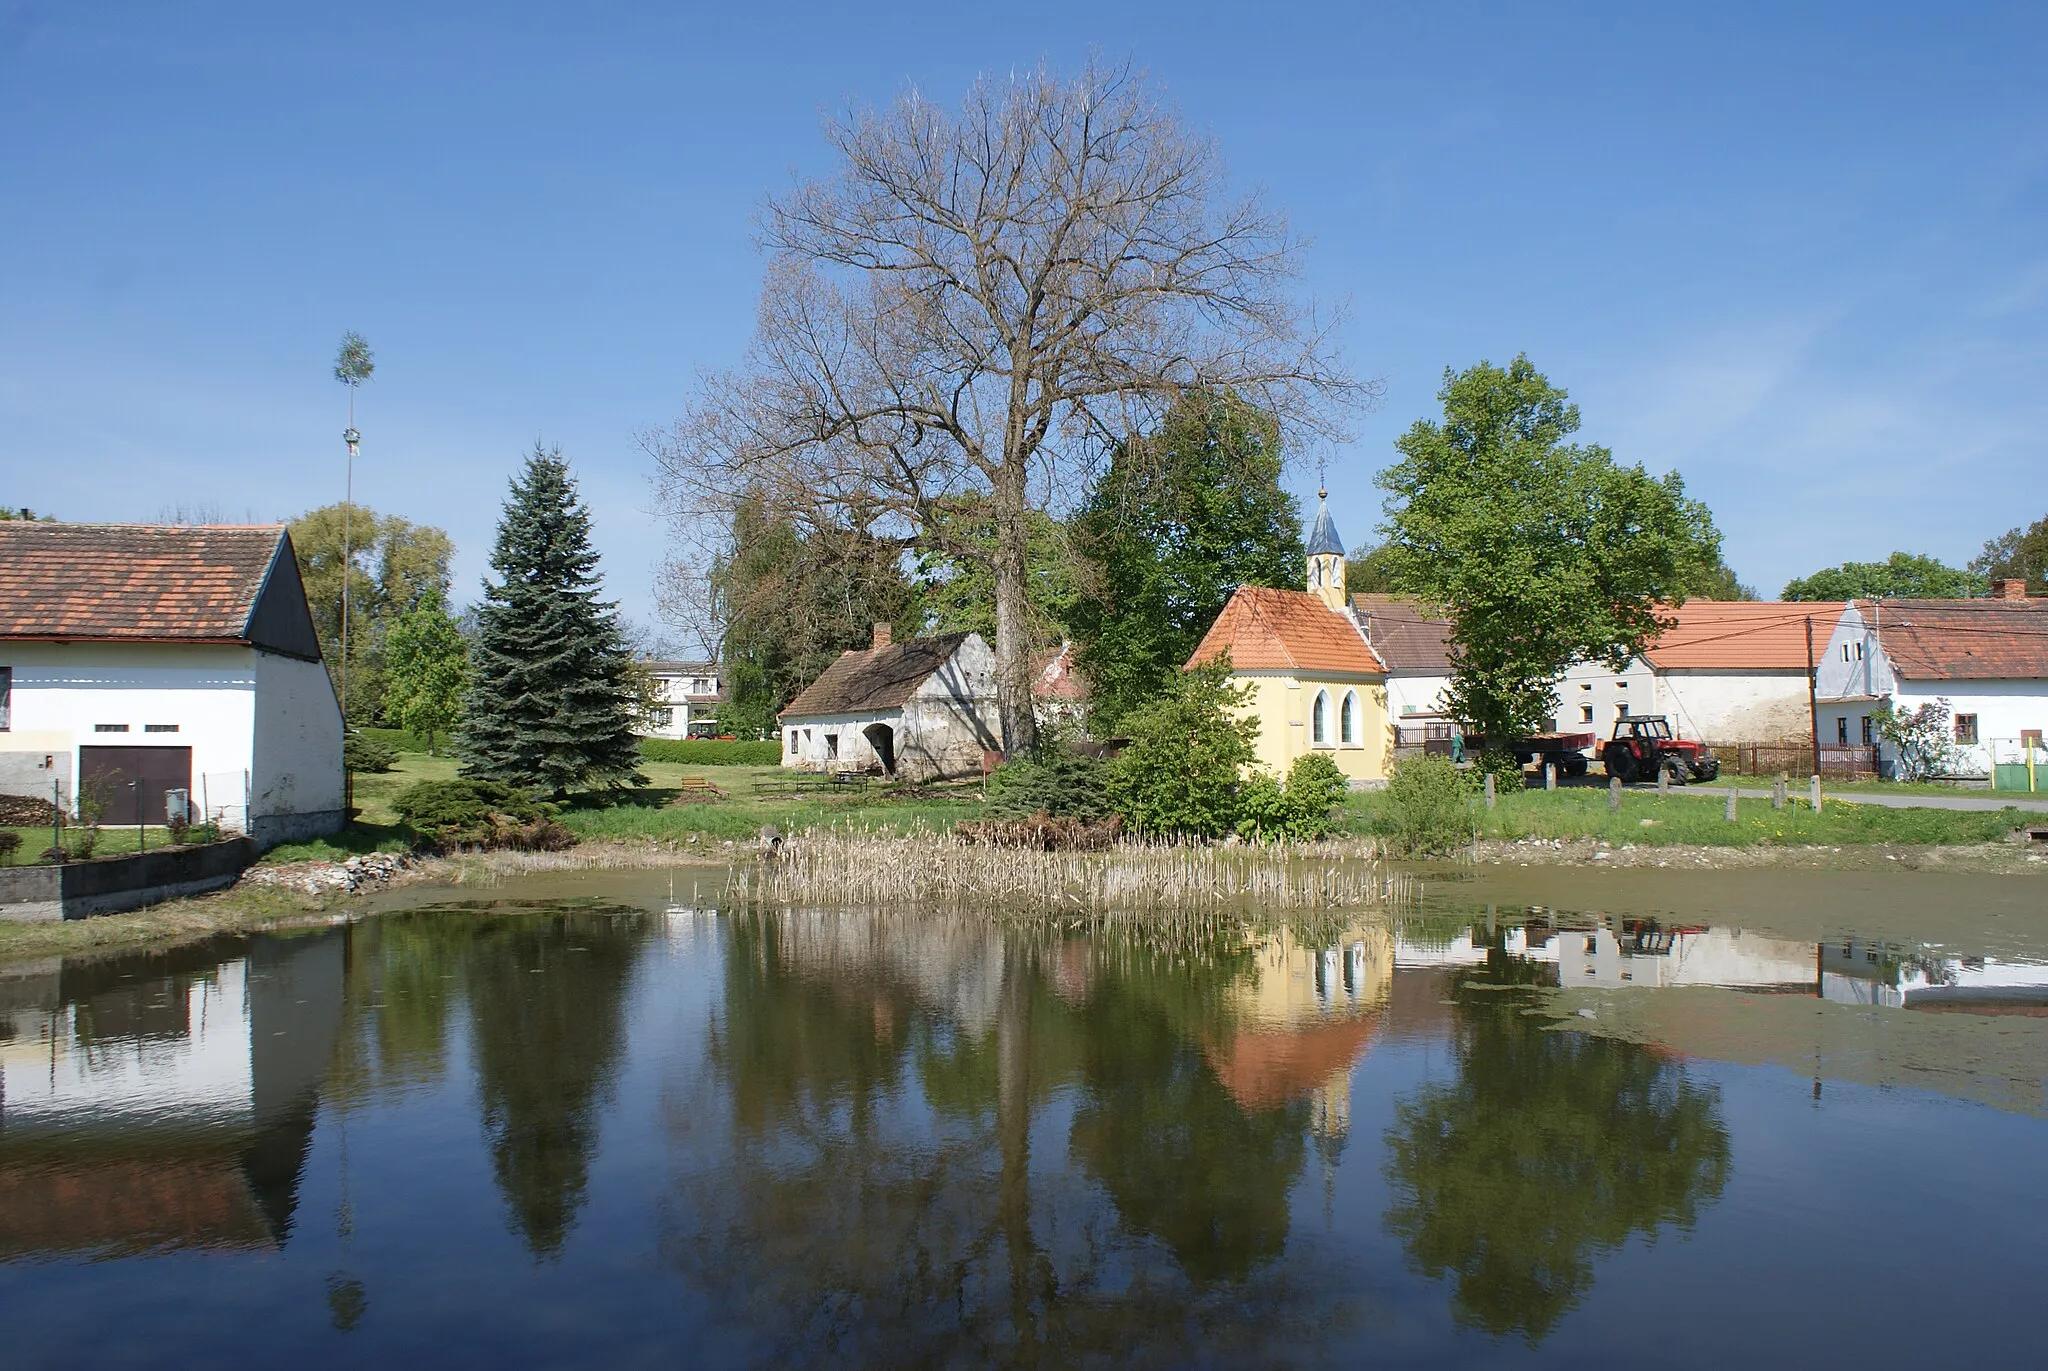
1539, 1118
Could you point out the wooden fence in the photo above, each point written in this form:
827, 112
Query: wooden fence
1844, 761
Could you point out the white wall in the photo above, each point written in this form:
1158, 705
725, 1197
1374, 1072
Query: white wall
296, 787
1735, 706
1590, 687
62, 690
1415, 694
2003, 709
941, 731
676, 693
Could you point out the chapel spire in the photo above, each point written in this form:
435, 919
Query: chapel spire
1326, 557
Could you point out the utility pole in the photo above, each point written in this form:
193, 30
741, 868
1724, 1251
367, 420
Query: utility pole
352, 366
1813, 698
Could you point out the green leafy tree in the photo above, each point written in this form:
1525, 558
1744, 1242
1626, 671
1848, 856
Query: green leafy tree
1299, 810
959, 592
1719, 582
16, 513
1548, 1149
790, 598
1181, 518
426, 670
1366, 571
1541, 552
549, 704
1181, 770
1921, 738
2021, 552
1901, 576
391, 562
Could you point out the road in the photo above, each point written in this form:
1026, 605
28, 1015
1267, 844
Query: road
2036, 803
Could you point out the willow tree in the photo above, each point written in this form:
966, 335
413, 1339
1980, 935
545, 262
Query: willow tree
979, 304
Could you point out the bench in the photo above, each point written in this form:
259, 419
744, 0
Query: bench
697, 785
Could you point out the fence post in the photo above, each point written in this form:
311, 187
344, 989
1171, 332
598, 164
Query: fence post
1550, 775
1778, 792
1663, 781
1731, 804
1489, 790
1816, 792
1613, 794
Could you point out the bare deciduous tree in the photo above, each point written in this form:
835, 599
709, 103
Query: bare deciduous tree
980, 304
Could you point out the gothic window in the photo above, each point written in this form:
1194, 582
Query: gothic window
1347, 720
1319, 725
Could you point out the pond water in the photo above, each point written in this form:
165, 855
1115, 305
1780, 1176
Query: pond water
591, 1122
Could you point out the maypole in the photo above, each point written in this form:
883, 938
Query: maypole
352, 366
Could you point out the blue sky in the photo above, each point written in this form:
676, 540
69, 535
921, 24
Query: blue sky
1800, 257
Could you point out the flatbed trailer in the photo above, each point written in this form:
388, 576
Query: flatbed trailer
1565, 751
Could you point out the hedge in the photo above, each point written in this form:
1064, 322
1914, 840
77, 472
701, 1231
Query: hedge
711, 751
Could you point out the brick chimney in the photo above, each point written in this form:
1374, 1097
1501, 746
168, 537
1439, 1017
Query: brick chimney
883, 636
2013, 588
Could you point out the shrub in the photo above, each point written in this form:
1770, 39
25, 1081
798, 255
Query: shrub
360, 752
473, 813
1298, 811
10, 843
1057, 782
1042, 833
711, 751
1179, 772
1428, 806
1504, 767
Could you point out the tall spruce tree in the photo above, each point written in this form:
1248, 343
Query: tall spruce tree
550, 705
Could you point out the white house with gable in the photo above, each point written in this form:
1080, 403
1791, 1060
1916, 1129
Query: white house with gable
160, 668
924, 709
689, 694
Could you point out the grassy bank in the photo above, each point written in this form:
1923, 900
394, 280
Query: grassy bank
240, 910
1696, 818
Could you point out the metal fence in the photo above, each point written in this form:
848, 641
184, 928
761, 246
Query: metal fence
1844, 761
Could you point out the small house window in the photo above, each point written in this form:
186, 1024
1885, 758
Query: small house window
1319, 718
663, 718
1585, 714
1621, 685
1621, 710
1845, 652
1859, 651
6, 696
159, 728
1867, 738
1842, 729
789, 741
831, 744
1966, 728
1347, 719
110, 728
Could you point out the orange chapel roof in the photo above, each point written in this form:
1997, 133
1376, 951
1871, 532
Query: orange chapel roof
1265, 629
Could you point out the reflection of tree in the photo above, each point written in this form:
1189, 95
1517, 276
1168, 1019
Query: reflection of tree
1550, 1149
546, 995
1178, 1156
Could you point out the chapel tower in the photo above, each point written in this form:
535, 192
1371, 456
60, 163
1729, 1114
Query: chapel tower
1326, 557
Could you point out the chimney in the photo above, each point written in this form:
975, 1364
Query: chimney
882, 637
2013, 588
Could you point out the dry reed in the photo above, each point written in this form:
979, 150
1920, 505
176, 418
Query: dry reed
935, 872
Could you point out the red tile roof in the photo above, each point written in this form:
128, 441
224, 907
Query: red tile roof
1265, 629
1966, 640
1737, 635
131, 582
1405, 638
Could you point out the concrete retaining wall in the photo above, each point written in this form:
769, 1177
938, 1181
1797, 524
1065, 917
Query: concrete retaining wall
78, 890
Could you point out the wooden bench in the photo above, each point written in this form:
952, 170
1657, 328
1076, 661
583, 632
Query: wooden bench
697, 785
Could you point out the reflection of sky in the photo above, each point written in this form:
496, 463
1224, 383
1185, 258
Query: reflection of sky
52, 1077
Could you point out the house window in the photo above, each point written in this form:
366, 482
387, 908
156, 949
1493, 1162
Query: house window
789, 741
663, 718
1845, 652
1868, 739
1319, 718
1966, 728
831, 744
6, 696
1859, 651
1842, 729
1585, 714
159, 728
110, 728
1347, 718
1621, 710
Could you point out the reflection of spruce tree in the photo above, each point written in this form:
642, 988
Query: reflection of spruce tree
545, 1046
1179, 1157
1550, 1149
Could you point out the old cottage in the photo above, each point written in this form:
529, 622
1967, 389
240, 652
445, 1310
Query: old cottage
160, 671
923, 709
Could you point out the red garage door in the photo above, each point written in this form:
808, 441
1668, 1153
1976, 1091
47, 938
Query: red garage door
124, 777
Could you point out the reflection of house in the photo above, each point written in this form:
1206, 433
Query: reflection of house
1301, 1020
140, 661
1856, 972
167, 1108
689, 694
922, 710
1316, 685
1647, 954
1987, 658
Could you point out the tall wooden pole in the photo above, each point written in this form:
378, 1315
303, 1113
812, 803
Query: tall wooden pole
1812, 695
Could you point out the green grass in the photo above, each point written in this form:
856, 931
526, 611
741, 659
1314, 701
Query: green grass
1696, 818
1923, 788
114, 841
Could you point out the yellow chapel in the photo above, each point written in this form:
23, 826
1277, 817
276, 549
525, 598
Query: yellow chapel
1317, 685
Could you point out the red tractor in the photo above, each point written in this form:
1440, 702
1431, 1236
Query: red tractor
1643, 745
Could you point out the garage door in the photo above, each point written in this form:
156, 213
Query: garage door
122, 777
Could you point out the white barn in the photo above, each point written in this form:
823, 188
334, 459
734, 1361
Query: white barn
1987, 658
924, 709
140, 661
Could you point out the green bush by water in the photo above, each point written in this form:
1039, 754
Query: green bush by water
1427, 807
1057, 782
711, 751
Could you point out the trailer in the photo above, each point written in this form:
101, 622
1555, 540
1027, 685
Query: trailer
1568, 752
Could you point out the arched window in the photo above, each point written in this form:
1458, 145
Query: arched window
1319, 719
1347, 719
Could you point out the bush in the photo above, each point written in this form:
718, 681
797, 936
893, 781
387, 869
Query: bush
1504, 767
10, 843
711, 751
1179, 772
471, 813
1428, 807
1267, 811
1057, 782
359, 752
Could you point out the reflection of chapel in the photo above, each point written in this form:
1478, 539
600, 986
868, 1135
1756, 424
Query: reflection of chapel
1317, 685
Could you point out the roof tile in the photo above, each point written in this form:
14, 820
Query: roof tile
1263, 629
133, 582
